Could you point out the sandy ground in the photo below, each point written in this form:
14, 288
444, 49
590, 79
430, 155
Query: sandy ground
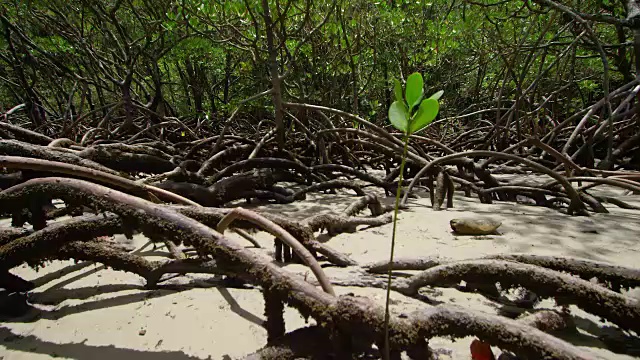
89, 312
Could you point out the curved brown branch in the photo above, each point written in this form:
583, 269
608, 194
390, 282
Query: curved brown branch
629, 185
284, 236
337, 224
617, 277
211, 217
25, 134
17, 148
613, 276
254, 163
371, 201
448, 320
127, 158
351, 171
230, 153
566, 289
45, 242
314, 341
15, 162
329, 185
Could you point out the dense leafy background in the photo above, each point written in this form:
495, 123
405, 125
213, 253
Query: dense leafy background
200, 58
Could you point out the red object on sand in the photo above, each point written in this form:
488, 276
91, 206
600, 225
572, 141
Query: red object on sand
481, 351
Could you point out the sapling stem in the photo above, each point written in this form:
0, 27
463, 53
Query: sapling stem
409, 113
387, 351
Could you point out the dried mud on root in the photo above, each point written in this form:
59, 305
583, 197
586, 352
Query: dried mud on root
76, 239
613, 277
46, 242
565, 289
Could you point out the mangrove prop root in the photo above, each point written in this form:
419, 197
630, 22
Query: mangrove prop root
9, 234
576, 206
21, 149
269, 163
330, 185
116, 259
274, 312
441, 190
247, 236
507, 334
231, 153
337, 224
423, 263
160, 220
348, 313
123, 160
617, 202
351, 171
249, 184
450, 190
371, 201
333, 256
151, 271
544, 320
45, 242
616, 277
26, 134
303, 233
448, 320
18, 162
175, 251
595, 205
282, 235
566, 289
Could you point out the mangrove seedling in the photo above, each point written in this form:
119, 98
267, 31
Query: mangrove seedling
409, 113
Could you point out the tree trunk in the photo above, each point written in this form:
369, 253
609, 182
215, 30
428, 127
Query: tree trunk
276, 81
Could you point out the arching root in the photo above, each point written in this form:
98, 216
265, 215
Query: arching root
614, 277
566, 289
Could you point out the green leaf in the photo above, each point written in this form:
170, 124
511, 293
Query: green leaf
437, 95
415, 90
399, 116
425, 115
397, 90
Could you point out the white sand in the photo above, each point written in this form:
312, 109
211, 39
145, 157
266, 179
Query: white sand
95, 313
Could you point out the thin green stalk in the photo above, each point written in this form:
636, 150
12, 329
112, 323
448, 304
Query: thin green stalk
387, 351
